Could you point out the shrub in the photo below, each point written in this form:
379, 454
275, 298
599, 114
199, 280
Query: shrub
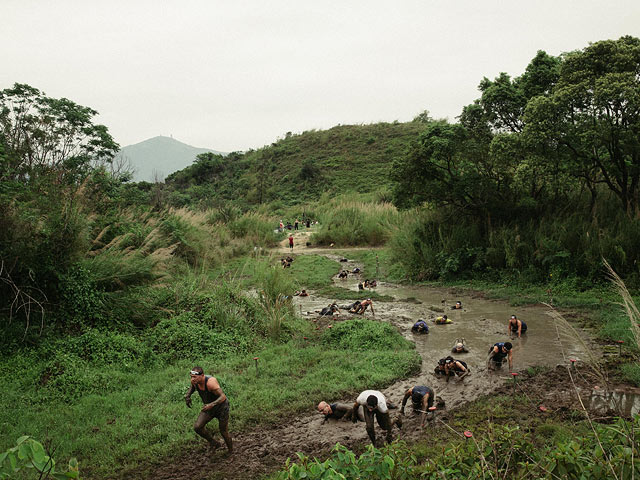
362, 335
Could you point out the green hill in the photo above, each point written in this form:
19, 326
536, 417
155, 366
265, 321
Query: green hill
301, 167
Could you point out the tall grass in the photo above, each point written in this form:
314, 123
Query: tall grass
348, 222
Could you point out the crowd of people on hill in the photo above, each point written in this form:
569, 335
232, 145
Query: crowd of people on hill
296, 224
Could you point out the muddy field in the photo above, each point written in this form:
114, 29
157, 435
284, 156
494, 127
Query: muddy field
480, 322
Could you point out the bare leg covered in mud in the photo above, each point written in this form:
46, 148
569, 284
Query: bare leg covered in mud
200, 427
384, 421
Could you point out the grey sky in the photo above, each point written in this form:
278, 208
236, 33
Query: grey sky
235, 75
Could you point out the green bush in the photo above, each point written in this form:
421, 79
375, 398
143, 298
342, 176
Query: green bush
363, 335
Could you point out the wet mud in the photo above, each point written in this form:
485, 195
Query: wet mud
480, 322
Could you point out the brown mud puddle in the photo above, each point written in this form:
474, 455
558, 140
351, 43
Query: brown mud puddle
481, 322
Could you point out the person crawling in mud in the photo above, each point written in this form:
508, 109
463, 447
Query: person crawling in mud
455, 367
339, 411
331, 309
459, 346
498, 353
216, 405
375, 405
303, 293
440, 370
360, 286
352, 306
355, 270
516, 326
421, 399
457, 306
443, 320
420, 327
343, 274
373, 284
363, 307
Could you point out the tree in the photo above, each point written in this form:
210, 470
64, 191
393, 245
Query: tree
43, 135
593, 115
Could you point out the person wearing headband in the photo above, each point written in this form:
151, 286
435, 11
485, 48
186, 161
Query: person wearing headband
516, 326
216, 405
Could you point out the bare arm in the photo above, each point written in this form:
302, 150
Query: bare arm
491, 355
214, 387
187, 397
510, 357
519, 328
404, 400
355, 410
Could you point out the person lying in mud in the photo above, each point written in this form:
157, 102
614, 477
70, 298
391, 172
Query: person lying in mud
457, 306
420, 327
353, 306
421, 399
339, 411
459, 346
498, 353
375, 405
516, 326
303, 293
455, 367
360, 286
443, 320
343, 274
216, 405
331, 309
355, 270
363, 307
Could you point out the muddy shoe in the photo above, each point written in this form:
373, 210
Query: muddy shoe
399, 423
214, 445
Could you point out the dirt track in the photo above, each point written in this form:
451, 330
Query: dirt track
265, 450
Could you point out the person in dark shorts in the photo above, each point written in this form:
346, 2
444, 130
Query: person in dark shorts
516, 326
216, 405
497, 354
339, 411
421, 399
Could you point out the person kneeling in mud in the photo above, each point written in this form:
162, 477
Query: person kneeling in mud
455, 367
216, 405
421, 399
339, 411
498, 353
375, 405
516, 326
363, 307
420, 327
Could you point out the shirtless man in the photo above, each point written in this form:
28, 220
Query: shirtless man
363, 306
338, 411
216, 405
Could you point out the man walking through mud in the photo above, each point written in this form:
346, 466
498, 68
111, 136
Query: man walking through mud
216, 405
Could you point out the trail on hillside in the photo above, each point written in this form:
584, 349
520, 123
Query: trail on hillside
481, 323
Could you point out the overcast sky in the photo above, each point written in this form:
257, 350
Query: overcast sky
234, 75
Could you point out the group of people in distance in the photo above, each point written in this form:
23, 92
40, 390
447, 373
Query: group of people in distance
296, 224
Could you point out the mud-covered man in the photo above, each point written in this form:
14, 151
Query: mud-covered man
339, 411
375, 405
422, 397
216, 405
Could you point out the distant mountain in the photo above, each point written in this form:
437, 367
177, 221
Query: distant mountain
158, 157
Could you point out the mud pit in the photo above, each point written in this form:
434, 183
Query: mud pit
481, 323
